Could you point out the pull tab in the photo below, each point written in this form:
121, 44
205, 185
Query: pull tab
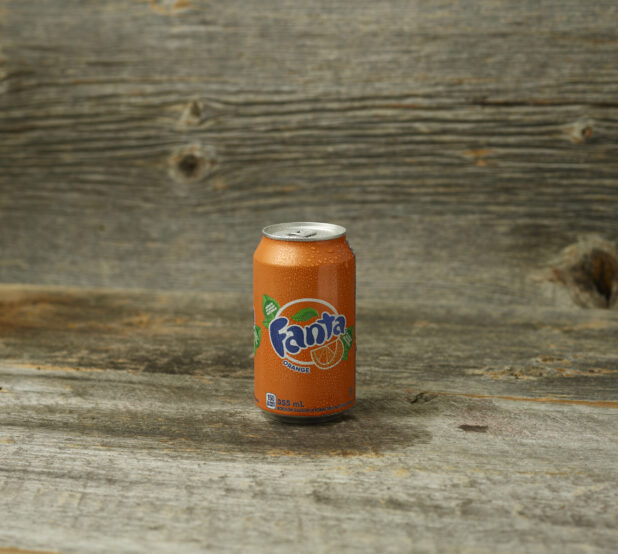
302, 233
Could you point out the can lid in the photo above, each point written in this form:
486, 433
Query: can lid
303, 231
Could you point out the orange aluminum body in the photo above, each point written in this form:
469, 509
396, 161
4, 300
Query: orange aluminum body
304, 287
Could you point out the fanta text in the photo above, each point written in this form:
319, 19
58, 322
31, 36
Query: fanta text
291, 339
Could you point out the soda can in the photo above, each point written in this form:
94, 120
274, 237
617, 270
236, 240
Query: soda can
304, 295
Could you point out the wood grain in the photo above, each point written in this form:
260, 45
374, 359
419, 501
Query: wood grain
464, 145
474, 429
132, 462
21, 551
567, 354
470, 148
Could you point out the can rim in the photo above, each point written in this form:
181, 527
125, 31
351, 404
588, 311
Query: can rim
303, 231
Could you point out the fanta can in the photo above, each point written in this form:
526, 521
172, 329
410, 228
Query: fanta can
304, 292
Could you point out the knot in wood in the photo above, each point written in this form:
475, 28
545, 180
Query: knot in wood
589, 270
581, 131
192, 163
596, 270
193, 114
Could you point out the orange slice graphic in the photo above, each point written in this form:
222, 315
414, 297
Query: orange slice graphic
328, 355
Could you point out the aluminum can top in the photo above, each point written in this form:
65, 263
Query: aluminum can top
303, 231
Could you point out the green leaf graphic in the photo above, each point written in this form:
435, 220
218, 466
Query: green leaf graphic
270, 307
257, 335
305, 314
347, 339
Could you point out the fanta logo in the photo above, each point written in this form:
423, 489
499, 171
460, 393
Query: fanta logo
307, 331
294, 338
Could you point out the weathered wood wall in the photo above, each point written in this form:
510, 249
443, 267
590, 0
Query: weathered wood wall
464, 144
471, 148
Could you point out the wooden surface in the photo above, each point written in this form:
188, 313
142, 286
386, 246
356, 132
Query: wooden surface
485, 431
464, 144
512, 351
470, 148
111, 461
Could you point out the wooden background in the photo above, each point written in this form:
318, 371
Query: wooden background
464, 144
470, 148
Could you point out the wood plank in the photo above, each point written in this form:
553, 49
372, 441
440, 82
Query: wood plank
471, 151
463, 145
10, 550
521, 352
125, 462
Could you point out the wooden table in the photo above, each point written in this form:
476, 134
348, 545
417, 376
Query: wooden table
470, 148
128, 424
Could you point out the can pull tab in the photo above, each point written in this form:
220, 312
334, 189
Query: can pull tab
304, 233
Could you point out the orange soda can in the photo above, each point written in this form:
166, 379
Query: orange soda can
304, 294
